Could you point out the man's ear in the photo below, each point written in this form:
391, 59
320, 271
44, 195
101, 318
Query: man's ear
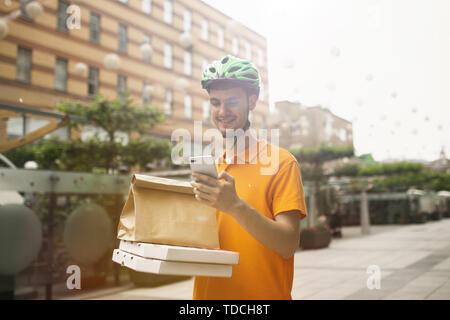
252, 101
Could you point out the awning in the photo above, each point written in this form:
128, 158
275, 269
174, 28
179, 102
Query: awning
57, 121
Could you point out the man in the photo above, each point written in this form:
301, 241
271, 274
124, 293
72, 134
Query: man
257, 214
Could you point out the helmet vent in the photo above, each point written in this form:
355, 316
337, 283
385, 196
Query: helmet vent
249, 75
212, 69
234, 69
225, 60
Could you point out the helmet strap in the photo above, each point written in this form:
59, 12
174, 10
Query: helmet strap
247, 124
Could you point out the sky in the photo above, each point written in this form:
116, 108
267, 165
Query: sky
382, 64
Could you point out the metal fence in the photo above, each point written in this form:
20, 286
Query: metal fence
53, 197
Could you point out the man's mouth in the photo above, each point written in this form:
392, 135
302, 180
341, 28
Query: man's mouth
226, 121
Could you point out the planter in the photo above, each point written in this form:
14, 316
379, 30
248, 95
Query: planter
418, 218
402, 220
314, 238
436, 216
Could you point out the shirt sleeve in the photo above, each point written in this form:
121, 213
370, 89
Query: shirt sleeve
287, 190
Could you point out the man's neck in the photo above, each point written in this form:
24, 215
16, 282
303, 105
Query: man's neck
232, 144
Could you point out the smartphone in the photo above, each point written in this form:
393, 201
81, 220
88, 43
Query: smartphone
204, 164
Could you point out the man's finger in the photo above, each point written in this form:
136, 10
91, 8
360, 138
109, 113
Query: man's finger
206, 202
225, 175
205, 178
203, 197
203, 187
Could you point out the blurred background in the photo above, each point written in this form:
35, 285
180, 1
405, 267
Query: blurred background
91, 91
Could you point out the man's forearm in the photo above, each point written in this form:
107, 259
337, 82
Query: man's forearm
272, 234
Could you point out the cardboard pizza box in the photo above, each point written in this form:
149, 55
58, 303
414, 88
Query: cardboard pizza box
178, 253
156, 266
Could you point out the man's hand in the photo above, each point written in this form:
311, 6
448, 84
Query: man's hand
215, 192
280, 234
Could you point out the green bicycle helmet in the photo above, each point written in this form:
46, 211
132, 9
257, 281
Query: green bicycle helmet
232, 69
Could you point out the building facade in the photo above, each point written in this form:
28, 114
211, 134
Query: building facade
162, 45
442, 164
302, 126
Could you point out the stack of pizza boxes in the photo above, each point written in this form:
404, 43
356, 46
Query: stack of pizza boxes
175, 260
163, 229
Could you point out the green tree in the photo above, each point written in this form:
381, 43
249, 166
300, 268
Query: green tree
348, 170
116, 116
397, 176
95, 154
312, 160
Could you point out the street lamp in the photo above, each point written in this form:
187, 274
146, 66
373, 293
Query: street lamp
186, 40
181, 84
112, 61
146, 50
80, 68
33, 9
3, 28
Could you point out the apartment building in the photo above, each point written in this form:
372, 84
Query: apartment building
155, 49
303, 126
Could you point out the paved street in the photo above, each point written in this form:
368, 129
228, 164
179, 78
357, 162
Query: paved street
414, 261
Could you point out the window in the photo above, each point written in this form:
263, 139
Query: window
205, 29
121, 85
235, 46
93, 82
61, 74
260, 58
248, 51
147, 39
146, 95
168, 102
168, 11
95, 28
188, 107
23, 65
220, 38
61, 133
147, 6
206, 110
187, 63
123, 41
187, 21
342, 134
168, 56
62, 16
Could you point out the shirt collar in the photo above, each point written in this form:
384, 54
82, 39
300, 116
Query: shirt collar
243, 154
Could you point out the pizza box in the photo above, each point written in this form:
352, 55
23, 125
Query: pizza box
177, 253
156, 266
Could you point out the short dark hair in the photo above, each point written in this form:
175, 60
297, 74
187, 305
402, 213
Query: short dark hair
226, 84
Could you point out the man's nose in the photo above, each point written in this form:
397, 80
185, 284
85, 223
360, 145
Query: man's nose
223, 110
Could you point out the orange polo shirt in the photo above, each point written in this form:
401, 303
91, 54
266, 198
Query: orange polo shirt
262, 274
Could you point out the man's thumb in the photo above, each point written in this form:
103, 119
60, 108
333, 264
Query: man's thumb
225, 175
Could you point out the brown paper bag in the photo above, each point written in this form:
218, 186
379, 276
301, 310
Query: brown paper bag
165, 211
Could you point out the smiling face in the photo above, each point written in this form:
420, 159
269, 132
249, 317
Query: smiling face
230, 108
